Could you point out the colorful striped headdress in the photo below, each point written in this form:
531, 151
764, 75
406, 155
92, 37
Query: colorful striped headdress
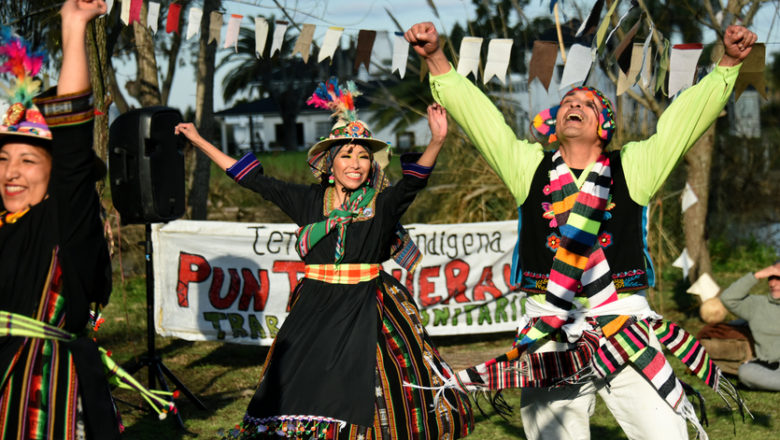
544, 122
20, 117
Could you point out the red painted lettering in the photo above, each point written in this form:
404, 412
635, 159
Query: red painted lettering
427, 287
192, 269
456, 272
486, 285
254, 288
216, 286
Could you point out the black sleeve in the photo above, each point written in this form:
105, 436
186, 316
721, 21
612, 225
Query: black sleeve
82, 247
289, 197
396, 199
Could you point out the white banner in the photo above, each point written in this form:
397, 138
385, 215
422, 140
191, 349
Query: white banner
232, 281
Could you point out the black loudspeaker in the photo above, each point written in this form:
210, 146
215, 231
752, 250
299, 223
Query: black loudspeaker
146, 165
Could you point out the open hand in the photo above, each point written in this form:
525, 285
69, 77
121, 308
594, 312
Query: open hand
424, 38
770, 271
437, 121
737, 42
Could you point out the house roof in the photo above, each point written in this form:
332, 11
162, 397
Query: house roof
267, 106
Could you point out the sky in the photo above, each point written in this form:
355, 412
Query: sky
354, 15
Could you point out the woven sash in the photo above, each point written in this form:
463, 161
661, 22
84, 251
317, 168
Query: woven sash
342, 273
339, 219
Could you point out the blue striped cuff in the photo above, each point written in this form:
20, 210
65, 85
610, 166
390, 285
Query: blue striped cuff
410, 167
244, 165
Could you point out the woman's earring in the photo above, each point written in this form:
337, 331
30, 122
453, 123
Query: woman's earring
330, 179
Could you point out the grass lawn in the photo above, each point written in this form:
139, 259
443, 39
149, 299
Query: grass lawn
223, 376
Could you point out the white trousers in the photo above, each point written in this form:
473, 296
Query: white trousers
563, 413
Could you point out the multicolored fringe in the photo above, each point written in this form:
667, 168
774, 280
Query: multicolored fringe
339, 219
598, 356
295, 427
13, 324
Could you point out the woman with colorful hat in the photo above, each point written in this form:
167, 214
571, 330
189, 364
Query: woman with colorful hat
352, 359
54, 262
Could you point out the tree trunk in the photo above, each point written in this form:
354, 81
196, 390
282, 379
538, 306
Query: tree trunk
97, 57
173, 54
204, 117
145, 88
699, 162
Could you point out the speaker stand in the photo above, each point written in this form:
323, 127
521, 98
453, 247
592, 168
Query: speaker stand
157, 370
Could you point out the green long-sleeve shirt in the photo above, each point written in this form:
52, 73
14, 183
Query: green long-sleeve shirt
762, 312
646, 163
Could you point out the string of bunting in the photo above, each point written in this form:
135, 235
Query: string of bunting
677, 63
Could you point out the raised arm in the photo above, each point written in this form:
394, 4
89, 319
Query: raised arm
513, 159
215, 154
74, 74
648, 163
437, 122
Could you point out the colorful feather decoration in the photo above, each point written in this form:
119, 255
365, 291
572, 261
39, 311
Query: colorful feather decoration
337, 98
18, 58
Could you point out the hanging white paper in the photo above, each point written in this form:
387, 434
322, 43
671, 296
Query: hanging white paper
627, 80
152, 15
330, 43
688, 197
400, 54
682, 67
468, 61
578, 62
499, 50
646, 69
684, 262
279, 31
231, 36
124, 14
705, 287
109, 5
193, 22
261, 35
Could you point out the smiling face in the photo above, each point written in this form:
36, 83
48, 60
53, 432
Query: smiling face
351, 167
578, 117
24, 175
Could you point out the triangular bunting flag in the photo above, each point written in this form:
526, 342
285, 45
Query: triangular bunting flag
688, 197
578, 63
279, 29
231, 35
330, 43
172, 25
623, 56
647, 69
400, 54
364, 46
684, 262
468, 59
152, 15
125, 12
499, 51
193, 22
215, 27
593, 19
303, 43
543, 56
261, 35
705, 287
682, 66
602, 32
627, 80
752, 72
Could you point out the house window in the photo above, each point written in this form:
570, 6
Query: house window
405, 140
321, 130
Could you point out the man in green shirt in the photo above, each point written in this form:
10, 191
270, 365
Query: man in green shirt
582, 253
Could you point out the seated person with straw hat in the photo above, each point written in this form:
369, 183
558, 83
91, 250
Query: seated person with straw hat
341, 364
